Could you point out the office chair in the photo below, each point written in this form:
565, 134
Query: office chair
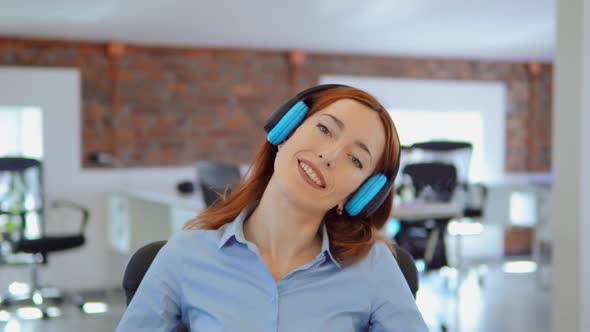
472, 196
141, 260
216, 178
457, 153
21, 202
436, 182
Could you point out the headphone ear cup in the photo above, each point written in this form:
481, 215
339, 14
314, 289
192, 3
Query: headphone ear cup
365, 194
379, 198
288, 122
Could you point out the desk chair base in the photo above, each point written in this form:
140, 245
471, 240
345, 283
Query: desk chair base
38, 297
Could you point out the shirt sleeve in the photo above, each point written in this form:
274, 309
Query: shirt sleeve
156, 305
394, 308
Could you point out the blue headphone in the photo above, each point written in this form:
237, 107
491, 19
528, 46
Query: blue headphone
371, 194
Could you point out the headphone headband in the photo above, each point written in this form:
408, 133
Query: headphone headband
301, 96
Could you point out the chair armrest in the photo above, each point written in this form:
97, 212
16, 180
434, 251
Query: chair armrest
75, 206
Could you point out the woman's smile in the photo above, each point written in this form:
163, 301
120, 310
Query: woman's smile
311, 174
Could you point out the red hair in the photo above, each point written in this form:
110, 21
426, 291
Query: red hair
351, 238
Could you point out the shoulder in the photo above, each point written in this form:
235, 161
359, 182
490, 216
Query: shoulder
380, 267
380, 257
381, 251
186, 239
189, 241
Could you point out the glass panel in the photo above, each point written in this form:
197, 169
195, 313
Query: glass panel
21, 131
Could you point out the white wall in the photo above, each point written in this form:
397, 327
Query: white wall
57, 92
571, 163
584, 127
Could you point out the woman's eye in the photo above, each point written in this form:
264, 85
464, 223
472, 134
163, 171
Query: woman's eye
357, 163
324, 129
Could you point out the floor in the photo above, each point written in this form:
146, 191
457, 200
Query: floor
490, 301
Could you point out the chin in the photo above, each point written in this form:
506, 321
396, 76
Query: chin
300, 198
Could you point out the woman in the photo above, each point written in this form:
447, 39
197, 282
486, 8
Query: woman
295, 247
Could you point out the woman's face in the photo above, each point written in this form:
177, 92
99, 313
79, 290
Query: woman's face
330, 155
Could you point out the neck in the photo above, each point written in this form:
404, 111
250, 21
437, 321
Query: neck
281, 230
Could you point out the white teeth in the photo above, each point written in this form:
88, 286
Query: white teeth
310, 173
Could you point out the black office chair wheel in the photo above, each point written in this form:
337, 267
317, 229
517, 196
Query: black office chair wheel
58, 300
6, 302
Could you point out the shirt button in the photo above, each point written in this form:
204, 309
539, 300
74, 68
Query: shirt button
273, 299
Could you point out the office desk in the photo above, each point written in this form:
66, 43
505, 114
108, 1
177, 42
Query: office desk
422, 211
137, 217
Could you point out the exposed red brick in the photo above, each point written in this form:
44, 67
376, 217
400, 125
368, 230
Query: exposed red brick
214, 98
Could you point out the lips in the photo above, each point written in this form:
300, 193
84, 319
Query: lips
315, 170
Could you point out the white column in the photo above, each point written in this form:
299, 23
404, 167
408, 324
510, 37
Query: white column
571, 164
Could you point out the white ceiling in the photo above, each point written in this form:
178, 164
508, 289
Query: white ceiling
483, 29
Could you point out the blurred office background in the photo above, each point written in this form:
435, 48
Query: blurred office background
121, 101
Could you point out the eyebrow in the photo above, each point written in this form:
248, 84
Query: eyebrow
340, 124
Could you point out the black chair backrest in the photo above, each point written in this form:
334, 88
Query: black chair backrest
442, 145
24, 175
457, 153
215, 177
21, 179
441, 177
17, 164
211, 195
408, 266
138, 265
141, 260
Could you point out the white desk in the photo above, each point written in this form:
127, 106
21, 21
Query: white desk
138, 218
421, 211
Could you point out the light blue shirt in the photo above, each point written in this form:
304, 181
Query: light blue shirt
216, 280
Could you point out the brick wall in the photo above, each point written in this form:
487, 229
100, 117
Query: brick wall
172, 106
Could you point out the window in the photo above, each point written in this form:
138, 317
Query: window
21, 132
418, 126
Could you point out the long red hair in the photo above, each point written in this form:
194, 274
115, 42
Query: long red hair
351, 238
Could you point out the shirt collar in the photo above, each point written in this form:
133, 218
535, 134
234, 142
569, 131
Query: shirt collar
326, 244
235, 230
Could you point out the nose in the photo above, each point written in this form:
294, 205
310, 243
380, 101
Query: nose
328, 157
324, 161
